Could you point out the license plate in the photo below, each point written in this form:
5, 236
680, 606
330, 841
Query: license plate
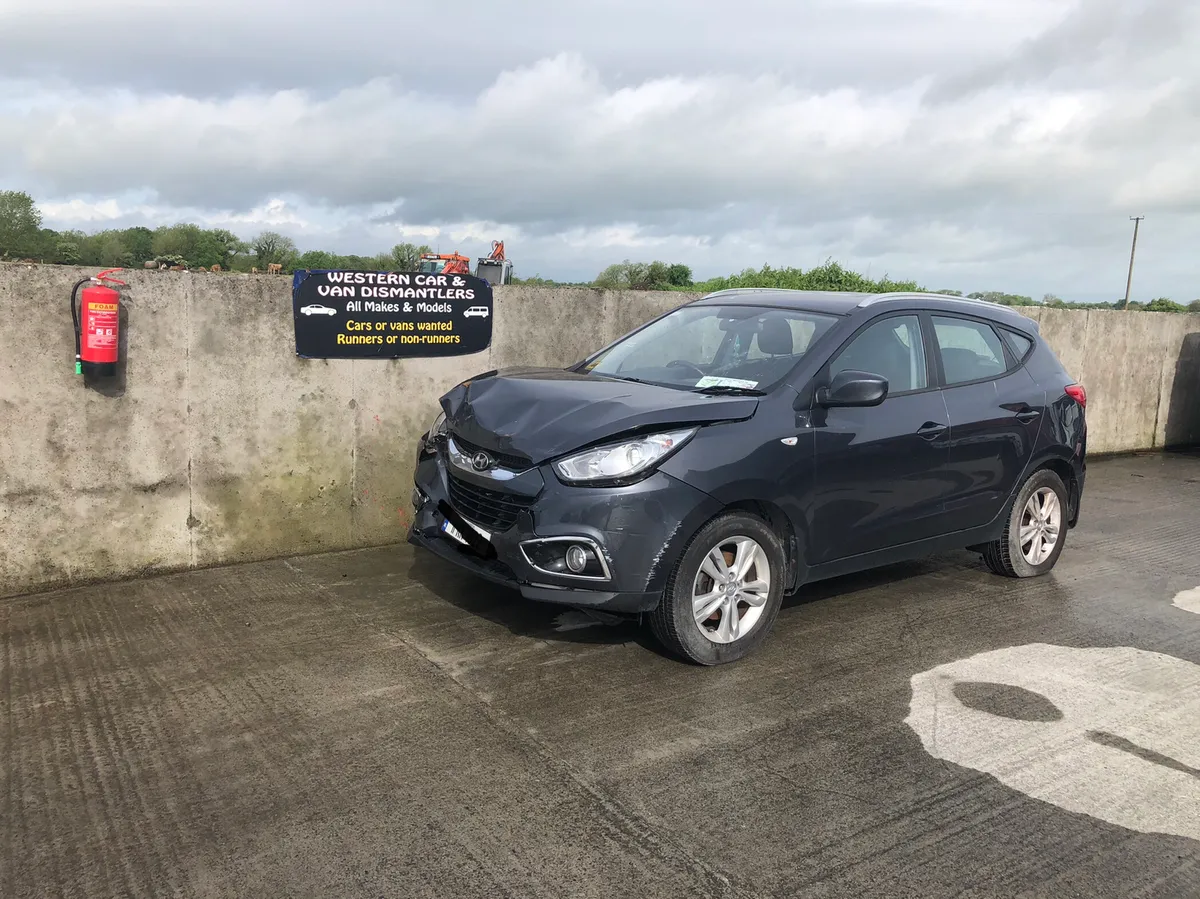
452, 531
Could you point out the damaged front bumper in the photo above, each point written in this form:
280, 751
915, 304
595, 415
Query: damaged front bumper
526, 531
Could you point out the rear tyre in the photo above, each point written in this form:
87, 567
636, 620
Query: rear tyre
724, 593
1036, 531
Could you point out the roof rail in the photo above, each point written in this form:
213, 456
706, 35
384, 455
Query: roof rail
917, 295
717, 293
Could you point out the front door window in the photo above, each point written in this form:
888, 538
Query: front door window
891, 348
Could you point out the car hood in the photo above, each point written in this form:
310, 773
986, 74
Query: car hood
540, 413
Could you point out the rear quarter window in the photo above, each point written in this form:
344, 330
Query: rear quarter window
1020, 344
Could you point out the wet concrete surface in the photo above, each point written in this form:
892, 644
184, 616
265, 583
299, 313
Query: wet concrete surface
377, 723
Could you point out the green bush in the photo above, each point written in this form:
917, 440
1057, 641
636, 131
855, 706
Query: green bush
830, 276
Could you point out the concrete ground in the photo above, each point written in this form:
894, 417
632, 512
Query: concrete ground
375, 723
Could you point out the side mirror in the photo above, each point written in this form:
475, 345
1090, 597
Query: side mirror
853, 388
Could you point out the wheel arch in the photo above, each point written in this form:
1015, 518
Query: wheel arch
1058, 462
781, 524
1066, 471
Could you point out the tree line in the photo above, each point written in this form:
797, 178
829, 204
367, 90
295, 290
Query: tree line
629, 275
1159, 304
182, 245
188, 245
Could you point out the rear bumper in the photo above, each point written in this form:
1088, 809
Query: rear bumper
639, 530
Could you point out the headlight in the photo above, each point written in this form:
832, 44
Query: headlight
438, 428
620, 461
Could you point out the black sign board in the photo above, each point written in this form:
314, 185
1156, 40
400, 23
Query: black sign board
389, 315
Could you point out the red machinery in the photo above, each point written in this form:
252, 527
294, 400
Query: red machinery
495, 267
497, 254
444, 264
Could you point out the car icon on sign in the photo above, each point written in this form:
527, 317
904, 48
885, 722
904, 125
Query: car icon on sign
480, 311
318, 309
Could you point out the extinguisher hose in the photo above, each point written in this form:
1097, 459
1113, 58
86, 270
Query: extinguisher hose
75, 320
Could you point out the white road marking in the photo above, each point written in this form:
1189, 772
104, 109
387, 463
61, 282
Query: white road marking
1121, 741
1188, 600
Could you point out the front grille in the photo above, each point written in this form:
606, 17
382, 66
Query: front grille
489, 509
504, 460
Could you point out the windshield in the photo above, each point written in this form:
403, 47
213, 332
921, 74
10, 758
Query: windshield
749, 348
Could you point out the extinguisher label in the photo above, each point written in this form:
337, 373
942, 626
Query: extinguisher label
102, 326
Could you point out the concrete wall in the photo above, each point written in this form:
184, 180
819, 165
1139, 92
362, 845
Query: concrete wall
1141, 371
218, 444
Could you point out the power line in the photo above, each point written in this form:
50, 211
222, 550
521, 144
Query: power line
1137, 220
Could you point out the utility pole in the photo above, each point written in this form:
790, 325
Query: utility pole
1137, 220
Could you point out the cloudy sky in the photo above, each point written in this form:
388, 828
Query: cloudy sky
968, 144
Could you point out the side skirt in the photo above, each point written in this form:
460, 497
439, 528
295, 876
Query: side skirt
906, 552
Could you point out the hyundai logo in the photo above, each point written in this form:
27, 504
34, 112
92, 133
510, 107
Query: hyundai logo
481, 461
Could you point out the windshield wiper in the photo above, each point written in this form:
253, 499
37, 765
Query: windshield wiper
730, 390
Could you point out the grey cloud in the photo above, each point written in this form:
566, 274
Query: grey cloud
1002, 142
226, 46
549, 144
1111, 41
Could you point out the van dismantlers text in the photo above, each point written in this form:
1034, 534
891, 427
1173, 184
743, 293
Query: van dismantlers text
393, 286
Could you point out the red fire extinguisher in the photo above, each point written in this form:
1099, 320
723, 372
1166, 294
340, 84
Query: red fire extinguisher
97, 325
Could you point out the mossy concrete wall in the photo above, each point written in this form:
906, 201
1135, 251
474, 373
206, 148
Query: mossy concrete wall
217, 444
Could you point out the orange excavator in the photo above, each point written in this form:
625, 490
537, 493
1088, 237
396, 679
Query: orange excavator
494, 268
444, 264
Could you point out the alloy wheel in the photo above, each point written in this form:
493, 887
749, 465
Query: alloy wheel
731, 589
1041, 525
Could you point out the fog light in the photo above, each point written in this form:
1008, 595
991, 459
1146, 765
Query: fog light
418, 498
577, 558
567, 557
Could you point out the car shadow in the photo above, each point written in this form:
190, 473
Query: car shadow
883, 576
523, 617
544, 621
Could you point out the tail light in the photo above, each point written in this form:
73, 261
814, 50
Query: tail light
1078, 394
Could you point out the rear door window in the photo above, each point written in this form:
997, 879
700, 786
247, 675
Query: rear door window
970, 350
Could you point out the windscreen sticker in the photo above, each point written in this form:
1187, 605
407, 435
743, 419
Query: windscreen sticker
710, 381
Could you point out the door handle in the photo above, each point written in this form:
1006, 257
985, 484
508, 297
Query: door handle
931, 430
1027, 414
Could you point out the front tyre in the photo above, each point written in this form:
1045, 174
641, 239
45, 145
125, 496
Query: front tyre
724, 593
1036, 531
